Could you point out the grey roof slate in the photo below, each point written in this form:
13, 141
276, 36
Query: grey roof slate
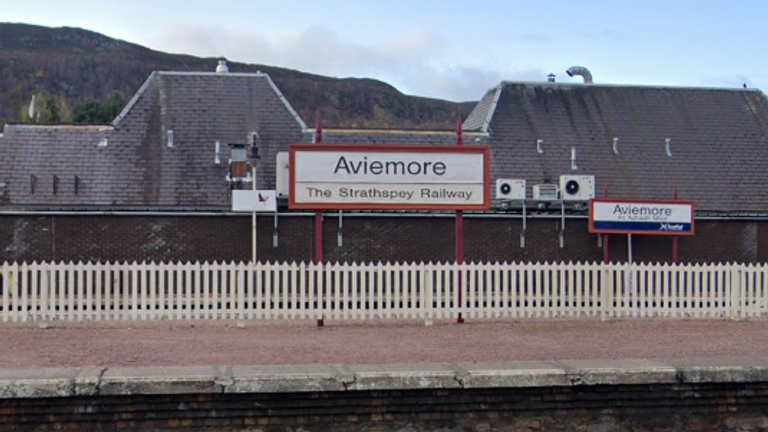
32, 155
137, 167
480, 117
395, 137
719, 140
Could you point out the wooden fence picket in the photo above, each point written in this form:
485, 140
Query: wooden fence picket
343, 291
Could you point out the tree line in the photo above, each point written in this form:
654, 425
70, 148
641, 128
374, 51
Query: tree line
43, 108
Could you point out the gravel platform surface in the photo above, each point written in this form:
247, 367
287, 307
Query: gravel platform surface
168, 343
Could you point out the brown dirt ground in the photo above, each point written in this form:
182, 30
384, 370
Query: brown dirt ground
166, 343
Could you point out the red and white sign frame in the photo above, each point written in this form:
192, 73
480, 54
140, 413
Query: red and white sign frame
484, 151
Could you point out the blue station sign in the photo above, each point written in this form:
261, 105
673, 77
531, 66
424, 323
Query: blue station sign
619, 216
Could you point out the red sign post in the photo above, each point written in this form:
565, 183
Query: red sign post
319, 216
460, 225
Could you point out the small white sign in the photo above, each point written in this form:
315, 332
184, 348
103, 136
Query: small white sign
254, 201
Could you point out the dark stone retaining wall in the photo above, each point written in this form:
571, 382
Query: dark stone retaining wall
706, 407
365, 239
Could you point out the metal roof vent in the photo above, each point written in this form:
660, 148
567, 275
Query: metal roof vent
580, 71
222, 67
668, 146
616, 146
574, 167
539, 146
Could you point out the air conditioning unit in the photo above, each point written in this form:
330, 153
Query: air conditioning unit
510, 189
281, 174
545, 192
577, 187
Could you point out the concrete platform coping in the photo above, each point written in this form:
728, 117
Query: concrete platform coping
92, 381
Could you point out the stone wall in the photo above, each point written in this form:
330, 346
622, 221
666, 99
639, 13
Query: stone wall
365, 238
669, 408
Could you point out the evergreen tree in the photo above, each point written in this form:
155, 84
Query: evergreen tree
114, 106
51, 105
89, 112
93, 112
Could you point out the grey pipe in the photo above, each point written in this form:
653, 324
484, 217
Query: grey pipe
348, 214
580, 71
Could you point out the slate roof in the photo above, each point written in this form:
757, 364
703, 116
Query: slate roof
485, 109
719, 143
33, 155
137, 167
351, 136
719, 140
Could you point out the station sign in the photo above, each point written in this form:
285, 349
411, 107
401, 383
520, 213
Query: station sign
254, 201
388, 177
655, 217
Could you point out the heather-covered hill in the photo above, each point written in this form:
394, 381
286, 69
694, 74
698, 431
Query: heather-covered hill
73, 65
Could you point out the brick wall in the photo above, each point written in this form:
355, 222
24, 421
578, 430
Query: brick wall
428, 238
670, 408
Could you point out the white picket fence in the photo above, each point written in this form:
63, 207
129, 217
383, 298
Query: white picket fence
141, 291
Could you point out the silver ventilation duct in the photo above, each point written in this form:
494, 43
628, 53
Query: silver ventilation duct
580, 71
222, 66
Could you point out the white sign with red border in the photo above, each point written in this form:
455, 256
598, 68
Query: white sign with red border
388, 177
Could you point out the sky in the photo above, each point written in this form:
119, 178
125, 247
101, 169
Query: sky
454, 50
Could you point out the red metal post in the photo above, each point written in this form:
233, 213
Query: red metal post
319, 216
459, 225
606, 237
674, 238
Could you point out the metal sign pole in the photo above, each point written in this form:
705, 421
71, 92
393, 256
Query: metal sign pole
525, 227
629, 284
459, 229
606, 237
318, 213
674, 238
319, 219
253, 218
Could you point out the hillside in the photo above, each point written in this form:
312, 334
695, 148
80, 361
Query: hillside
75, 65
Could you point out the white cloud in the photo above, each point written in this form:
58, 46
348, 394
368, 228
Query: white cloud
412, 45
415, 62
314, 49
